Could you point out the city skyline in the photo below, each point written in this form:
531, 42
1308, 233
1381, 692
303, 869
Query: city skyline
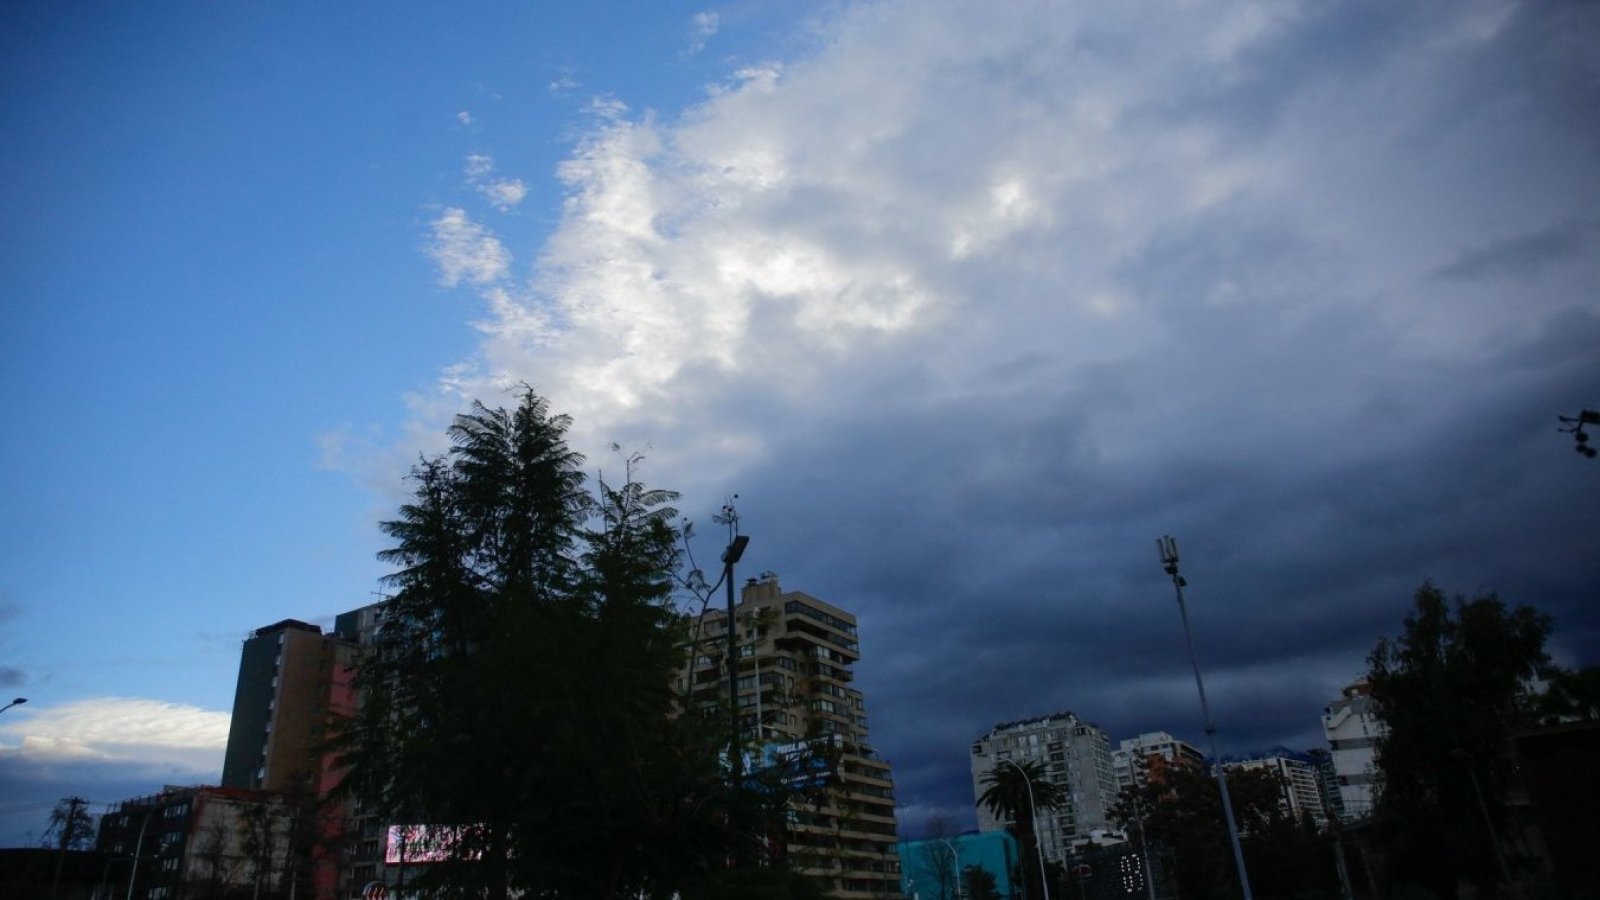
968, 305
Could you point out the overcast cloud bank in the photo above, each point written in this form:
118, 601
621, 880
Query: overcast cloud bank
974, 302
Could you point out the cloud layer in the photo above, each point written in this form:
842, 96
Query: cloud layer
974, 302
105, 749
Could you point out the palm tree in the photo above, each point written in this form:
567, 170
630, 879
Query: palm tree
1016, 793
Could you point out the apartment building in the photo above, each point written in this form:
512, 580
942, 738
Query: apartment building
1074, 754
1352, 728
1140, 758
294, 682
199, 842
1302, 795
795, 688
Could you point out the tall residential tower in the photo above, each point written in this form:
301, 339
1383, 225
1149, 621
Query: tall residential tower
795, 686
1075, 754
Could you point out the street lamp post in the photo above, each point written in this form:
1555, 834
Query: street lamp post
1168, 548
1033, 815
138, 846
17, 702
955, 864
729, 557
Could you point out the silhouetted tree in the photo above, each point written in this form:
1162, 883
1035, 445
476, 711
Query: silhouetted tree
1182, 818
980, 883
70, 826
519, 694
1451, 689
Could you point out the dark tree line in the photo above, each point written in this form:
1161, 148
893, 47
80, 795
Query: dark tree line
519, 698
1453, 689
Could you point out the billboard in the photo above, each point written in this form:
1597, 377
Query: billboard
800, 765
408, 844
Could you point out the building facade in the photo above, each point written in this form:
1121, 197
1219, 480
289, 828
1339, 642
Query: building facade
295, 683
1074, 754
200, 842
1142, 758
1352, 728
795, 688
1302, 796
942, 868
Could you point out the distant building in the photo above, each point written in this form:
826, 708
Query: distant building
288, 686
1301, 795
795, 687
1352, 727
1327, 783
1142, 758
295, 683
939, 868
200, 842
1075, 755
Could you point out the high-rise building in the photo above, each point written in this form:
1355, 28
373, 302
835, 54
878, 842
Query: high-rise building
1301, 794
1144, 757
1352, 727
287, 686
1074, 754
795, 687
294, 683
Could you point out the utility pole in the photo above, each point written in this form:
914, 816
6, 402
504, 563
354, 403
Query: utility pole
1168, 548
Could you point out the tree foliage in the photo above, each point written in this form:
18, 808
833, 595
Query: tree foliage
1451, 689
1018, 793
519, 693
1181, 816
70, 826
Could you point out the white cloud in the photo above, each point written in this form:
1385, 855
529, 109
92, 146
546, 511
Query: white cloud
478, 166
703, 26
464, 117
128, 730
564, 83
503, 193
466, 251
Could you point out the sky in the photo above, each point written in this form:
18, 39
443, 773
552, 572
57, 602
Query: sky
968, 304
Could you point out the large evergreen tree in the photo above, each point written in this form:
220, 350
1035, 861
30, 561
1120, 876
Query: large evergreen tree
1451, 690
519, 691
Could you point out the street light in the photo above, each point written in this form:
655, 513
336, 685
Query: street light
955, 864
17, 702
1168, 549
1033, 815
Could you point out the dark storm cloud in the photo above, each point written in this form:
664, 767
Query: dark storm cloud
1524, 256
1004, 567
969, 324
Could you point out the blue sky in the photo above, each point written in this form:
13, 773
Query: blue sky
1000, 294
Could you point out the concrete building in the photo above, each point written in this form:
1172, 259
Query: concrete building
200, 842
295, 683
1352, 727
1301, 793
1140, 758
281, 704
1075, 755
794, 686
